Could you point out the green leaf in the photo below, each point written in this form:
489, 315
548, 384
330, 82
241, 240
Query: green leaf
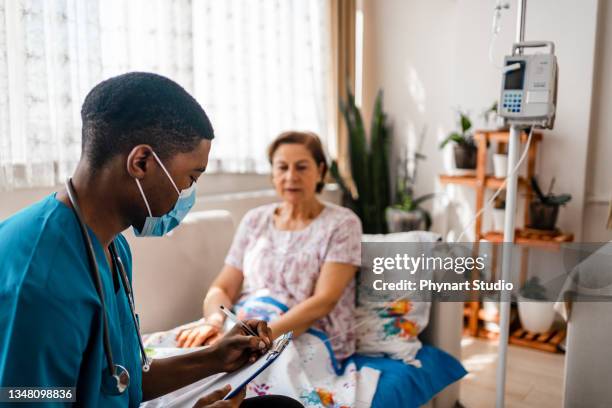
376, 157
466, 123
369, 163
424, 198
379, 163
335, 172
453, 137
357, 144
408, 203
537, 190
560, 199
426, 217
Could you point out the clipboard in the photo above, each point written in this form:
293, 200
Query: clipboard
240, 378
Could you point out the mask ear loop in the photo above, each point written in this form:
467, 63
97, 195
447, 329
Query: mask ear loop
143, 197
166, 171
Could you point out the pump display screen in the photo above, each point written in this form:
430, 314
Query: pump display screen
514, 79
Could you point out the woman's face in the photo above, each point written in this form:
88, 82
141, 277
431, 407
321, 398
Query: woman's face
295, 173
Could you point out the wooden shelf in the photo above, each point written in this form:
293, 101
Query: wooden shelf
548, 341
480, 181
526, 238
462, 180
495, 183
472, 181
503, 136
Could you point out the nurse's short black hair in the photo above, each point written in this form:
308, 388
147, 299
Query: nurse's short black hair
140, 108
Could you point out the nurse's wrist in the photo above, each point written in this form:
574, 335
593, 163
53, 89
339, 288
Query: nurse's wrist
204, 362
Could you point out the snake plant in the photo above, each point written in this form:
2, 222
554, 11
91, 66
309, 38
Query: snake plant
369, 165
550, 198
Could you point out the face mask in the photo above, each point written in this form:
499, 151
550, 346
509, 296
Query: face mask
160, 226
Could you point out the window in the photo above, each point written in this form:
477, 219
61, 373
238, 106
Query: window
257, 68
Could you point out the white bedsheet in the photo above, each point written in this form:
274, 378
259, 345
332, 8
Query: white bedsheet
306, 371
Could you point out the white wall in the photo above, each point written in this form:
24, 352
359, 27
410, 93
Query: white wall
410, 54
236, 193
432, 56
599, 163
209, 185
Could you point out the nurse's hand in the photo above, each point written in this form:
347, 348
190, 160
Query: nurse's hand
237, 348
214, 399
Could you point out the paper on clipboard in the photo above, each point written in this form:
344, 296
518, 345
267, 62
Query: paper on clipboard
237, 379
240, 378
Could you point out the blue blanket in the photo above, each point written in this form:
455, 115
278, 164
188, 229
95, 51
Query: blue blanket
400, 384
406, 386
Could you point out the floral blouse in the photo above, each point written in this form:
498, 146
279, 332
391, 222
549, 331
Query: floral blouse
286, 264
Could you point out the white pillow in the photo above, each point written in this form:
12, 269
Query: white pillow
392, 328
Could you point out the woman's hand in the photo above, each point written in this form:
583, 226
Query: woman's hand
200, 335
214, 399
237, 347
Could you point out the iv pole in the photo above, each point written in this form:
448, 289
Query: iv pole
511, 193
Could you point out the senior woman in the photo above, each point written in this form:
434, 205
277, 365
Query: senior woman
301, 250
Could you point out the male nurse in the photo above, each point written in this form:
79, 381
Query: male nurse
145, 143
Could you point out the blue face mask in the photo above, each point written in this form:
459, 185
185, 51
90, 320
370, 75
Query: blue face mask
160, 226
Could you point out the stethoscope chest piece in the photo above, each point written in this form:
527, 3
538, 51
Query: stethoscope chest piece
117, 383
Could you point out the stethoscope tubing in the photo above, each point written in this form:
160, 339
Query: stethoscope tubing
100, 290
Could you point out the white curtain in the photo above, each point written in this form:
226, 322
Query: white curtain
258, 67
49, 58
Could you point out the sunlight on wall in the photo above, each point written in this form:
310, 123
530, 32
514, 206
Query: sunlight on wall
416, 88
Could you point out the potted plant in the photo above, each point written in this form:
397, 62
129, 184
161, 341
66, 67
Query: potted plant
499, 212
500, 165
493, 121
544, 209
535, 312
465, 146
407, 213
368, 191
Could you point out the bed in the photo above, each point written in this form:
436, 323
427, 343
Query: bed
207, 235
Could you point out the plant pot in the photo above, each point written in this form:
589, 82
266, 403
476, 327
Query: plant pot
536, 316
490, 309
499, 217
500, 122
465, 156
404, 221
500, 165
542, 216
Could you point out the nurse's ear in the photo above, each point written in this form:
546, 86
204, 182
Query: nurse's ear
139, 160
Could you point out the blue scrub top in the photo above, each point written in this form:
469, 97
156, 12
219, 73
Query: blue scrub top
50, 313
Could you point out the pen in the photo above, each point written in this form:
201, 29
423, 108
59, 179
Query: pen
235, 319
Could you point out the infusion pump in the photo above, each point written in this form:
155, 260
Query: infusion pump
529, 86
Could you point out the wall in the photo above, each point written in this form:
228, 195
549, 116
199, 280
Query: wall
599, 165
236, 193
209, 185
431, 57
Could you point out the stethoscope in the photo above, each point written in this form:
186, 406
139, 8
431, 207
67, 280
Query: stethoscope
118, 379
